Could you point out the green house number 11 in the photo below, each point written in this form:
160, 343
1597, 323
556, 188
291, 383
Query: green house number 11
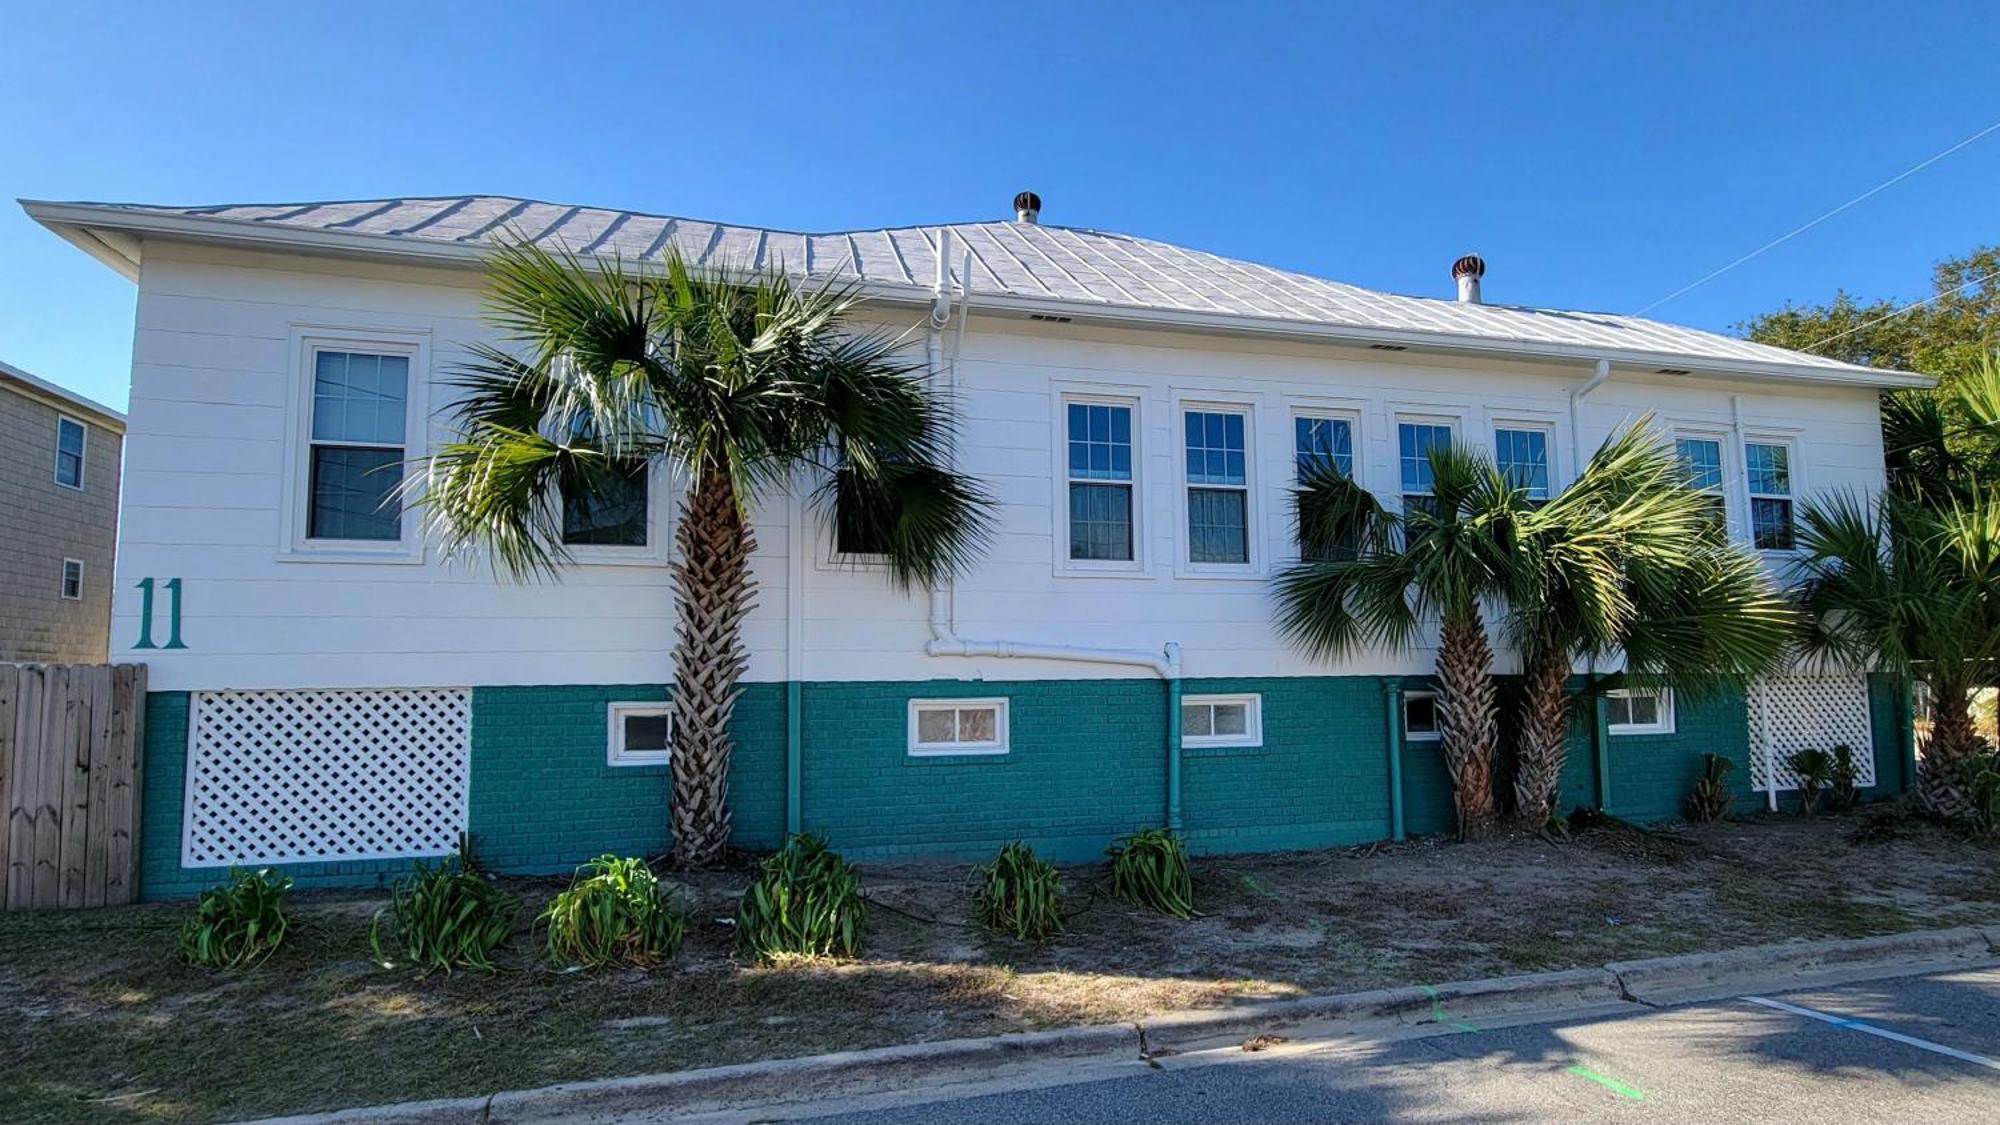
173, 589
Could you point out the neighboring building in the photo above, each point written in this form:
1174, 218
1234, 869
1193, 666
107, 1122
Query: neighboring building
59, 464
330, 695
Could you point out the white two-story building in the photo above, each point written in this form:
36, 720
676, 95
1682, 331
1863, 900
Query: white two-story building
330, 695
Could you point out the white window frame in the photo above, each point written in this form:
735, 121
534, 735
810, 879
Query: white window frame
1401, 418
1066, 566
663, 499
1729, 461
1001, 743
1543, 427
1664, 724
307, 341
1309, 410
1404, 718
82, 456
1253, 523
63, 587
1253, 724
615, 753
1750, 498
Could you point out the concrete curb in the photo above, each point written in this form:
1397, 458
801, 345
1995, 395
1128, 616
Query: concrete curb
1667, 980
1659, 980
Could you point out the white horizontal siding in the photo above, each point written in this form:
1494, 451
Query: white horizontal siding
212, 381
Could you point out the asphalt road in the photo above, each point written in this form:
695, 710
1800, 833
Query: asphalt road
1915, 1049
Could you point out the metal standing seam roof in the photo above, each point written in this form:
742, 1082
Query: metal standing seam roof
1067, 265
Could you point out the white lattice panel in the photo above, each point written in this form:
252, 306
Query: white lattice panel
295, 776
1793, 713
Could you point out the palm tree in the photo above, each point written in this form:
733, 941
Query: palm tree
1624, 560
1909, 584
744, 384
1367, 576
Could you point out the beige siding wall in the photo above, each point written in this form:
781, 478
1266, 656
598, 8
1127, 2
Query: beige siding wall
41, 524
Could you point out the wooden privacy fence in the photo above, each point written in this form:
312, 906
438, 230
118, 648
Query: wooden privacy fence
69, 773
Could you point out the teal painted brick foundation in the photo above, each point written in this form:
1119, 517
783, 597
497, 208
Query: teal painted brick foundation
1087, 764
544, 799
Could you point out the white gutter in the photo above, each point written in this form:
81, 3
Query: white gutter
86, 224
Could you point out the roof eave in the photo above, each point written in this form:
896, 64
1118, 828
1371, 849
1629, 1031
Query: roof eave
86, 226
61, 398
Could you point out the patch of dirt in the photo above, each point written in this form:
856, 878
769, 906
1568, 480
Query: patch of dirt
95, 1005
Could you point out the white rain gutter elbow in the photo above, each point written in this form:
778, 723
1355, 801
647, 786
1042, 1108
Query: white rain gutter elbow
1576, 397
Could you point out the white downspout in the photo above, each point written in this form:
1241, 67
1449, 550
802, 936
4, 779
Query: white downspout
1576, 396
945, 641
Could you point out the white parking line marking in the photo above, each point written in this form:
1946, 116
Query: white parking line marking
1883, 1032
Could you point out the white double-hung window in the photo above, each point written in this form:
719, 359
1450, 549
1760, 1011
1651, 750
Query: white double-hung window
1321, 444
360, 418
1701, 460
1522, 455
1100, 476
1414, 442
70, 439
1768, 467
360, 411
1218, 486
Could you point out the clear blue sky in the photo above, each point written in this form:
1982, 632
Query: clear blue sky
1599, 155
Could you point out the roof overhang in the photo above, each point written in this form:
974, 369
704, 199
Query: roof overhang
115, 236
61, 398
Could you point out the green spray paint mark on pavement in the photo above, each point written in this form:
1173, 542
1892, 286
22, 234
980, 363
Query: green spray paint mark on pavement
1611, 1084
1438, 1013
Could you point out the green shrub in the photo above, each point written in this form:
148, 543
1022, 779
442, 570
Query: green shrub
1982, 788
1814, 768
1710, 799
1844, 779
615, 909
238, 923
805, 902
1019, 895
445, 917
1150, 869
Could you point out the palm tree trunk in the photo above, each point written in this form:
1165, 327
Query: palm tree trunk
1954, 739
1544, 739
1468, 723
712, 593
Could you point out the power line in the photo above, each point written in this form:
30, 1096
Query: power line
1801, 229
1894, 313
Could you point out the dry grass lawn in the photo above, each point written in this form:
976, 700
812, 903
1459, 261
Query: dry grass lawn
100, 1021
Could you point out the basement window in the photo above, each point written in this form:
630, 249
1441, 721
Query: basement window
1640, 711
941, 727
1221, 720
640, 734
1420, 717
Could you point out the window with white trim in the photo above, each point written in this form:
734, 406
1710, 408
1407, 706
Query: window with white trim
357, 440
1320, 443
1768, 467
1414, 442
1522, 455
1420, 717
72, 580
1222, 720
1100, 474
1640, 710
613, 511
1218, 486
71, 436
1701, 458
941, 727
639, 734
